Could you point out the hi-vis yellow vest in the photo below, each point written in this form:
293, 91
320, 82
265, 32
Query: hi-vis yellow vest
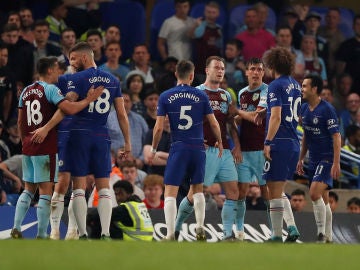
142, 228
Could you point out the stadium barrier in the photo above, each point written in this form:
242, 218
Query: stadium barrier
345, 226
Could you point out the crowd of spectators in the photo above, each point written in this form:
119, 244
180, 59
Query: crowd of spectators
318, 48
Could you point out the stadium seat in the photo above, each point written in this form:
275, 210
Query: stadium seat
161, 11
346, 23
130, 17
237, 15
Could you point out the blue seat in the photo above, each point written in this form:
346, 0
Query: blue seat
346, 22
237, 15
161, 11
130, 17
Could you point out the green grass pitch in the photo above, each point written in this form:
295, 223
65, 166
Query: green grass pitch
64, 255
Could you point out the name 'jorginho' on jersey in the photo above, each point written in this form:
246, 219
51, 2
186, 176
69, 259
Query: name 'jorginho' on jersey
186, 107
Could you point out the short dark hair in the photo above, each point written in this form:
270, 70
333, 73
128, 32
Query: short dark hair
81, 46
184, 68
283, 26
298, 192
45, 63
67, 29
236, 42
351, 130
181, 1
10, 27
316, 81
353, 200
279, 59
334, 195
254, 61
111, 43
125, 185
93, 32
41, 23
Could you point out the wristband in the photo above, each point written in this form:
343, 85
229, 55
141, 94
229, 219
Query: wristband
152, 150
267, 142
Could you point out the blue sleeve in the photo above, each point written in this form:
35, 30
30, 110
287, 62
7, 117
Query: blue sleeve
228, 96
62, 84
332, 120
20, 104
263, 98
323, 69
161, 111
274, 95
200, 30
53, 94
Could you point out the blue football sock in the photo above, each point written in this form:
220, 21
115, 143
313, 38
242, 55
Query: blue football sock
43, 215
22, 206
228, 215
240, 215
184, 211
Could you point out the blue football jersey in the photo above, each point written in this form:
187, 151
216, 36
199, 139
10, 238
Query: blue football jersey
319, 125
64, 125
95, 115
186, 107
285, 92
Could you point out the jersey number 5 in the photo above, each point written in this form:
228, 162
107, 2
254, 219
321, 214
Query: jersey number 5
184, 116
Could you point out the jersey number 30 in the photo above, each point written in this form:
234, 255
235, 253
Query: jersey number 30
293, 109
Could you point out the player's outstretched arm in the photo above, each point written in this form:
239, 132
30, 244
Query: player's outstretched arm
335, 169
236, 151
157, 132
40, 134
214, 124
123, 123
274, 124
303, 151
69, 107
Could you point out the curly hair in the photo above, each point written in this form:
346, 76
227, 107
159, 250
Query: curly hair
281, 60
